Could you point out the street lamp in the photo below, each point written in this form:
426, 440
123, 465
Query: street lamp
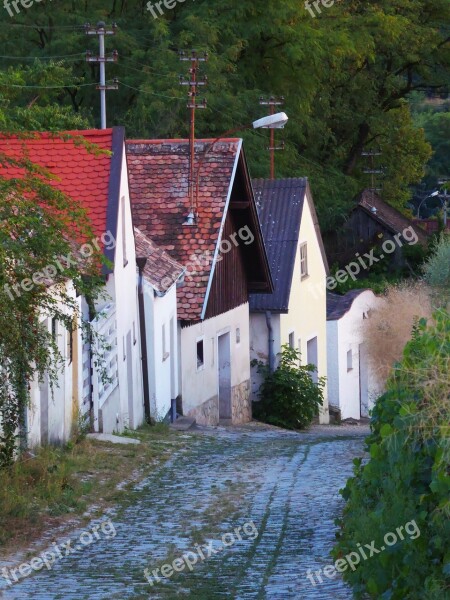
436, 193
276, 121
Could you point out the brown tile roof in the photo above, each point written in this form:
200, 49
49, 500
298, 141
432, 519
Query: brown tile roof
158, 176
160, 270
388, 216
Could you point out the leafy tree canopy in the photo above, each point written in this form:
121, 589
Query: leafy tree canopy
346, 76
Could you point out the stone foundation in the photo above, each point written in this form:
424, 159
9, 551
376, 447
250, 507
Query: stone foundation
207, 413
241, 407
241, 404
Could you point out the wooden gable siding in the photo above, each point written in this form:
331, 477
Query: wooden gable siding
229, 287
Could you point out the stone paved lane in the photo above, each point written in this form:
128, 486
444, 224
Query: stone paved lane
287, 484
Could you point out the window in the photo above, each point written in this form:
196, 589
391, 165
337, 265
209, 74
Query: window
165, 354
292, 340
134, 334
70, 345
238, 335
54, 328
124, 231
124, 348
303, 261
200, 355
349, 360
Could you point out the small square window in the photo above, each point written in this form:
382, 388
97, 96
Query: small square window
304, 261
349, 360
200, 355
238, 335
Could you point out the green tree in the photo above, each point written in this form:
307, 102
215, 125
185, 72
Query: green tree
39, 225
346, 75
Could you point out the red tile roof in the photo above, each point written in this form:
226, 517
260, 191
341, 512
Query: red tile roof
160, 270
81, 174
158, 176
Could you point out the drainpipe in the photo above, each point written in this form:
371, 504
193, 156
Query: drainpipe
271, 341
141, 262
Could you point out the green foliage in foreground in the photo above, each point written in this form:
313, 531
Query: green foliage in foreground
289, 397
437, 268
406, 478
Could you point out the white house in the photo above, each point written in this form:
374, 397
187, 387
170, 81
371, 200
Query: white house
215, 233
102, 378
295, 313
158, 275
352, 384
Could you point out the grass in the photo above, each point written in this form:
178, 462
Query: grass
41, 491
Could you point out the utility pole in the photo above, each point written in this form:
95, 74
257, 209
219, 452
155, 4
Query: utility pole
102, 59
373, 170
193, 82
272, 102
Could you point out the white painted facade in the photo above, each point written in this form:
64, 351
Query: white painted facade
162, 349
352, 384
52, 409
306, 319
125, 406
200, 383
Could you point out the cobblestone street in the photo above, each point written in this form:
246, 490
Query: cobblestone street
286, 483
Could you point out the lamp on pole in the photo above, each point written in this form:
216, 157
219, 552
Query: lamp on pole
436, 193
276, 121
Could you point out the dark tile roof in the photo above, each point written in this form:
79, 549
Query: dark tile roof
338, 306
280, 207
388, 216
160, 270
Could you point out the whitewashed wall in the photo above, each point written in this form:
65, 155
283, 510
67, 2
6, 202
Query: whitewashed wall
163, 365
201, 386
128, 410
346, 335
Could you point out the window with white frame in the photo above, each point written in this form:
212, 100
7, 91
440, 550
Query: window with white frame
303, 260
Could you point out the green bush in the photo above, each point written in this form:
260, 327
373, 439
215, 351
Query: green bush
406, 478
288, 396
437, 267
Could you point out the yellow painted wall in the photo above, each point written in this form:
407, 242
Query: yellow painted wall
307, 316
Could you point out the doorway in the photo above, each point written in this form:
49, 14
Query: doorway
224, 375
312, 357
363, 382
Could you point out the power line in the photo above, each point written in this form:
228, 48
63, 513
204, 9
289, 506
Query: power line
46, 87
42, 57
150, 93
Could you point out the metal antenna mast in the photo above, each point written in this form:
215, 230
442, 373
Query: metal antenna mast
373, 170
193, 82
102, 59
272, 102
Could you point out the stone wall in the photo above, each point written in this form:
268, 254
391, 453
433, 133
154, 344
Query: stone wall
207, 413
241, 404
